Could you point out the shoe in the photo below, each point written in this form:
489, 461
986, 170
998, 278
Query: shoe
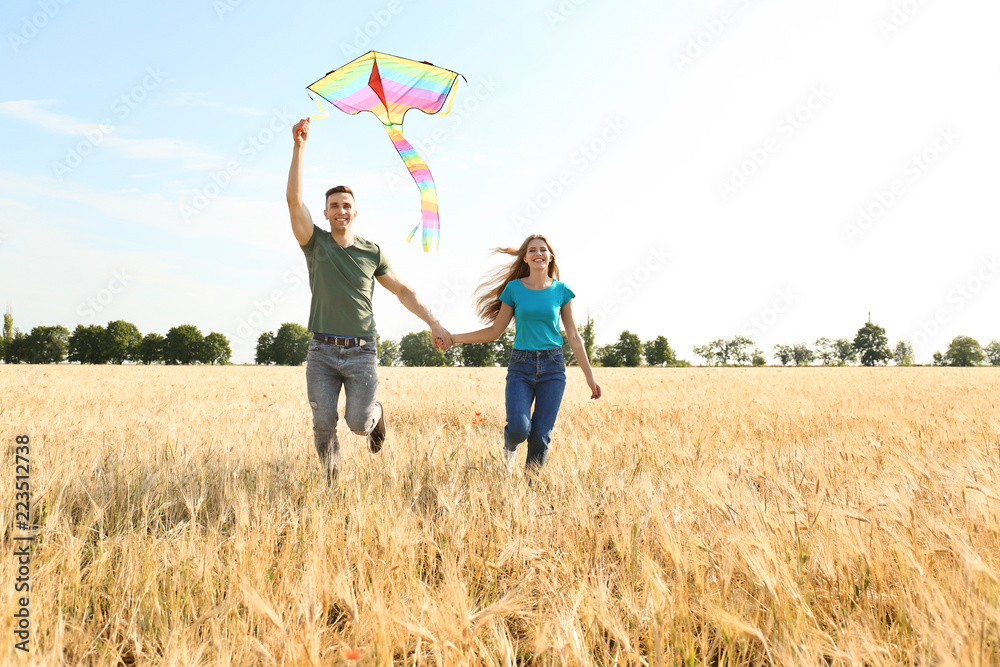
509, 459
377, 436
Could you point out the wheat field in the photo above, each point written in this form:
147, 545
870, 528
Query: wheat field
807, 516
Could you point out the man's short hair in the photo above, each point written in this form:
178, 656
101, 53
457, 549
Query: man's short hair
338, 188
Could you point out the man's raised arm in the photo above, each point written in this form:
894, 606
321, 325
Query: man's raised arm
302, 224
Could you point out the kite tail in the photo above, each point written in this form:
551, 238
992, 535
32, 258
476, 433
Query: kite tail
425, 182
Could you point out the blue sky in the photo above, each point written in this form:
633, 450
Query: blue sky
772, 168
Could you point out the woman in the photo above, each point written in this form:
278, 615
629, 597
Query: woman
529, 291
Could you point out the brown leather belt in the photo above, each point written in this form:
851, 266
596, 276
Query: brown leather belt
341, 341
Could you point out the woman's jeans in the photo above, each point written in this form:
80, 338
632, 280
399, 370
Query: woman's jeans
539, 376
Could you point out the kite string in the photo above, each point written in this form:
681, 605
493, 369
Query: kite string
322, 112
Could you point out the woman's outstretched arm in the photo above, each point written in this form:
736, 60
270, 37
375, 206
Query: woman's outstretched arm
491, 332
579, 351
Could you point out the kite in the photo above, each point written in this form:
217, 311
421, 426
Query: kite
389, 86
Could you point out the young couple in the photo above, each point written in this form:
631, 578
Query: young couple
342, 270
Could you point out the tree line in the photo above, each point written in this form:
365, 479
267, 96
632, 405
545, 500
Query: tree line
121, 342
869, 347
289, 346
115, 343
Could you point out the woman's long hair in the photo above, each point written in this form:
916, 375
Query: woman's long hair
488, 293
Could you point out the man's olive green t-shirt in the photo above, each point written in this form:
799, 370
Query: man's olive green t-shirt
342, 282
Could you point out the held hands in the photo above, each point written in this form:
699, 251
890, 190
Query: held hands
441, 337
300, 133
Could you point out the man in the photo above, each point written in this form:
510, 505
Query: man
342, 271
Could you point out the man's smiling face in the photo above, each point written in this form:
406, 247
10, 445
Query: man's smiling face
340, 211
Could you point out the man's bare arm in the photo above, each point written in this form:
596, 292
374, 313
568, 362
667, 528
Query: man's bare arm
409, 298
302, 224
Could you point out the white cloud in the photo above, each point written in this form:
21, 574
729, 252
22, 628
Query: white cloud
188, 154
252, 221
200, 100
31, 111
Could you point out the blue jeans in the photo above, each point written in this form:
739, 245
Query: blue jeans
328, 368
539, 376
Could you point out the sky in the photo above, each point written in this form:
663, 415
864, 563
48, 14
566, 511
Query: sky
770, 168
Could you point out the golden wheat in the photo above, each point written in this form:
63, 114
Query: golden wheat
725, 516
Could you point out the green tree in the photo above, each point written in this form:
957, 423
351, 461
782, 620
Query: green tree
705, 352
478, 354
992, 352
215, 349
902, 355
608, 356
963, 351
47, 345
121, 341
16, 349
151, 348
417, 349
758, 358
503, 346
265, 347
388, 353
825, 351
8, 333
630, 349
658, 352
291, 345
738, 349
783, 353
87, 344
845, 352
722, 351
938, 359
8, 327
182, 345
802, 354
872, 345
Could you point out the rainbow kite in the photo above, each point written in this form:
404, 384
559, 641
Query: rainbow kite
389, 86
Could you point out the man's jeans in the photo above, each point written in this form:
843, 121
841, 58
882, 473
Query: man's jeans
328, 368
539, 376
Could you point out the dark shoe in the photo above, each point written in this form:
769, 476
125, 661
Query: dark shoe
377, 436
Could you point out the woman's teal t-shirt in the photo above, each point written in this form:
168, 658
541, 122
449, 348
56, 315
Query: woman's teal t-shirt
536, 314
